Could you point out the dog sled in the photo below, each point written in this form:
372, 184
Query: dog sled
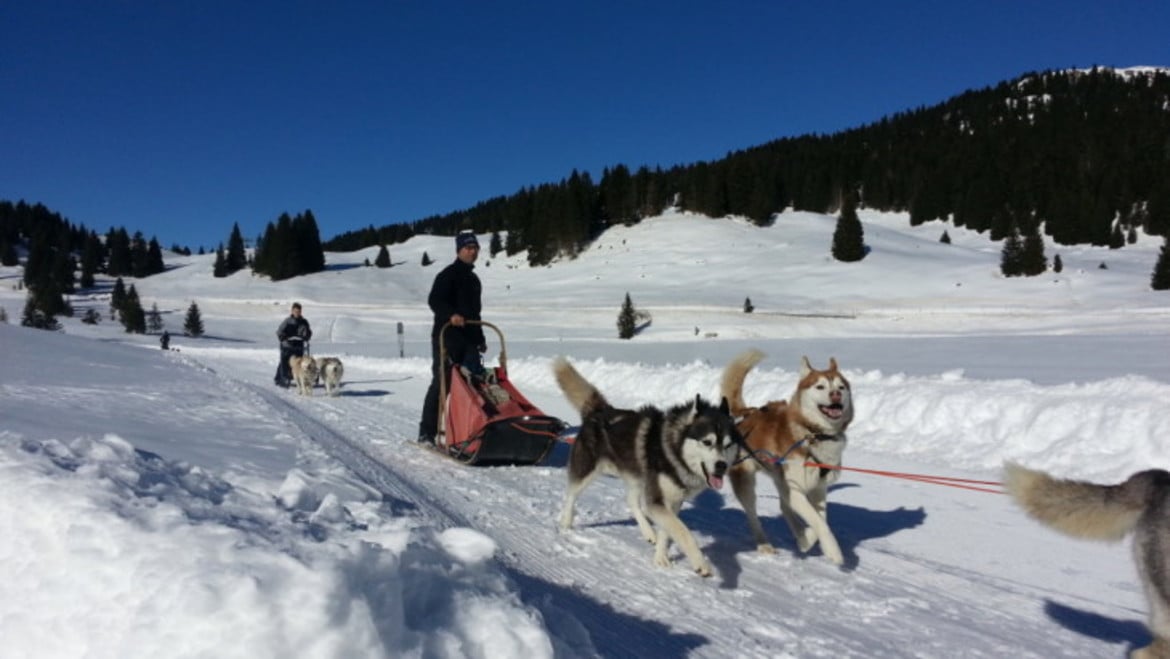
485, 420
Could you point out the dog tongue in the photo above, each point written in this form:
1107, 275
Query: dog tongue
716, 482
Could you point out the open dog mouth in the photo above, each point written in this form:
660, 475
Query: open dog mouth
833, 411
715, 480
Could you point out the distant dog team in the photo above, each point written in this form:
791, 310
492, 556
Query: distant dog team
1140, 505
664, 457
306, 371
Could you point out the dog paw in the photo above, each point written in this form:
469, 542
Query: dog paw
703, 570
662, 560
806, 540
650, 536
765, 548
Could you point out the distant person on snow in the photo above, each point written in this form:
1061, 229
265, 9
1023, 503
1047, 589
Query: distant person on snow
165, 340
454, 298
293, 334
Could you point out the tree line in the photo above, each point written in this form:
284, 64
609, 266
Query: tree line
62, 256
1079, 155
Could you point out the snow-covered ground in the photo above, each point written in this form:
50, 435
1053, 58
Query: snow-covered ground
177, 504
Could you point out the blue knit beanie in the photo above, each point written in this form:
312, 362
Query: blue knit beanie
464, 239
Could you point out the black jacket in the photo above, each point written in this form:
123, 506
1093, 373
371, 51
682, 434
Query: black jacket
293, 327
457, 291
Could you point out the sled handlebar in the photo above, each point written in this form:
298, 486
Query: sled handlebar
503, 359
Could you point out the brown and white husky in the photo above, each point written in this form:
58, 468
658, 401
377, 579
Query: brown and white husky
304, 372
808, 427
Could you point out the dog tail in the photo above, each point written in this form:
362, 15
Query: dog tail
1081, 509
584, 396
731, 386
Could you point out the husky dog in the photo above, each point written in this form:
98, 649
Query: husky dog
808, 427
1109, 512
330, 370
304, 371
665, 458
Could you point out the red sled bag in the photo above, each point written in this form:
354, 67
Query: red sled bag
485, 420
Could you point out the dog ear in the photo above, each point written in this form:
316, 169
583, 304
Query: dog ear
805, 367
832, 363
724, 406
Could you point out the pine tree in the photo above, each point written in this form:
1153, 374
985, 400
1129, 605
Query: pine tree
1032, 260
1160, 280
36, 318
1131, 235
1011, 255
1057, 264
154, 259
8, 255
91, 259
3, 316
627, 319
383, 258
139, 258
1116, 237
310, 254
849, 237
91, 317
236, 257
219, 269
118, 245
496, 245
426, 259
747, 305
945, 238
154, 321
193, 323
133, 316
117, 297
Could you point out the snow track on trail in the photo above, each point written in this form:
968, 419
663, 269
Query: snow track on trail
547, 580
355, 458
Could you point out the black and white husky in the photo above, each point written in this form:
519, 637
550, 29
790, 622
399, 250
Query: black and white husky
1140, 505
665, 458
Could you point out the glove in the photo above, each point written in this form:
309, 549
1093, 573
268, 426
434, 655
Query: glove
473, 364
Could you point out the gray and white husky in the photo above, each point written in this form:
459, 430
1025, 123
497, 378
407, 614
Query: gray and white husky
1140, 505
330, 370
664, 457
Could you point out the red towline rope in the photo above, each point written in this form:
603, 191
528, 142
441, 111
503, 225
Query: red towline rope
962, 483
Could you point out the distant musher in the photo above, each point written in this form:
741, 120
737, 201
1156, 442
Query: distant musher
293, 333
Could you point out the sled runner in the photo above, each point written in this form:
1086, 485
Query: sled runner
485, 420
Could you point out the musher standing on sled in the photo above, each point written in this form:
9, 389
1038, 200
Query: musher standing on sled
293, 333
454, 298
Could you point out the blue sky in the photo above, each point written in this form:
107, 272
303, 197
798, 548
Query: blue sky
180, 118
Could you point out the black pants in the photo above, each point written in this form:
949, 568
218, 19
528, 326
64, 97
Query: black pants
429, 423
283, 372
